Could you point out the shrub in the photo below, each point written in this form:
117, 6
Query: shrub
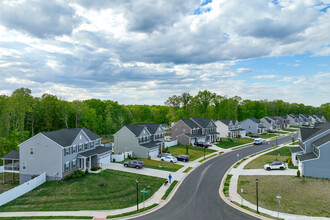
114, 160
149, 157
298, 173
86, 171
289, 160
95, 168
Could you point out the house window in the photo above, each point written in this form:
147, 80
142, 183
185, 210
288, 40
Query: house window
67, 151
24, 165
86, 145
74, 163
74, 149
92, 144
80, 147
67, 166
31, 151
80, 137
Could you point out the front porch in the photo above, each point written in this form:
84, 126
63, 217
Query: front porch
10, 164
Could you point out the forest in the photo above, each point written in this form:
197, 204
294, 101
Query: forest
22, 115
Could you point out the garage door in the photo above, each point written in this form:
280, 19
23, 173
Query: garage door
153, 153
105, 159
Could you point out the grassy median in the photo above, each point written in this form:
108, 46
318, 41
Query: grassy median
228, 142
193, 152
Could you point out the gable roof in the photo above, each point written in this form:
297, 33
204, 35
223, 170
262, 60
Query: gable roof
65, 137
203, 122
14, 155
226, 121
255, 120
267, 119
152, 128
138, 128
190, 123
308, 133
322, 140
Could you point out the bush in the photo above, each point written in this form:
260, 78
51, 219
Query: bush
76, 174
95, 168
149, 157
86, 171
114, 160
298, 173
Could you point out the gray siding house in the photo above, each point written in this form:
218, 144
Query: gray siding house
141, 139
187, 131
283, 121
293, 119
253, 126
230, 128
271, 123
59, 153
312, 155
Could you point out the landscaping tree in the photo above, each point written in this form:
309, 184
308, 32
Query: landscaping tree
298, 173
187, 149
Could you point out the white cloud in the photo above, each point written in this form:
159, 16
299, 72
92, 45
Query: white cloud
265, 77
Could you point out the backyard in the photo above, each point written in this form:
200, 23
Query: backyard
193, 152
8, 181
86, 193
228, 142
304, 196
277, 155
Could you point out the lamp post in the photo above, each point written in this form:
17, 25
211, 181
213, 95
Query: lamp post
278, 197
257, 194
204, 152
137, 194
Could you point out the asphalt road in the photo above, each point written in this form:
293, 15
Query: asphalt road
198, 196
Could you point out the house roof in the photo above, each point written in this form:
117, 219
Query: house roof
238, 129
203, 122
193, 135
152, 128
151, 144
95, 151
65, 137
213, 132
261, 126
295, 149
267, 119
13, 155
322, 140
138, 128
272, 118
165, 125
308, 156
190, 123
307, 133
255, 120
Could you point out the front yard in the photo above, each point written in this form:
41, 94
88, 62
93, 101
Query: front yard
86, 193
277, 155
160, 165
8, 182
265, 136
193, 152
290, 130
302, 196
228, 142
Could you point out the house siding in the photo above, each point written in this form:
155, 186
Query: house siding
183, 140
222, 129
46, 158
250, 126
308, 144
318, 167
125, 141
180, 128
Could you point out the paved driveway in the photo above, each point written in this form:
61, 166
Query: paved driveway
290, 172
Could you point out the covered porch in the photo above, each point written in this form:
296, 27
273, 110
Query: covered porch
11, 164
93, 158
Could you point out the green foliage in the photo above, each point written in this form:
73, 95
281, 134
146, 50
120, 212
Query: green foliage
75, 174
298, 173
169, 190
95, 168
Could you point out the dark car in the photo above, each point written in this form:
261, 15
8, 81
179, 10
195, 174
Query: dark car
183, 158
254, 136
134, 163
201, 144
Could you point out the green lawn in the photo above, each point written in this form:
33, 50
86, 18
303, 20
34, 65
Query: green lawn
259, 162
8, 181
119, 191
265, 136
187, 170
227, 143
281, 132
283, 151
288, 129
160, 165
302, 196
169, 190
193, 152
107, 140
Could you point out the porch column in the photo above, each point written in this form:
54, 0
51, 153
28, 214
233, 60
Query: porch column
90, 162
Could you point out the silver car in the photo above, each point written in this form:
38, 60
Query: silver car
275, 166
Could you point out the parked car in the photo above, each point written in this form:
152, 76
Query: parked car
134, 163
254, 136
183, 158
201, 144
170, 159
164, 155
257, 141
275, 166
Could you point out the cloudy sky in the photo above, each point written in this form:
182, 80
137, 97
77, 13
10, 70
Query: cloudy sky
141, 52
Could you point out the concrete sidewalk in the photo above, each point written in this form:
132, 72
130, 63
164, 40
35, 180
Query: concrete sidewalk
234, 196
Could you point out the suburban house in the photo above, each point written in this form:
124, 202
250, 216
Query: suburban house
253, 126
187, 131
317, 119
283, 121
271, 123
312, 155
140, 139
304, 120
230, 128
166, 127
294, 119
58, 153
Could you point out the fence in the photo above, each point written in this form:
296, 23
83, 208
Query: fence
1, 169
171, 143
22, 189
118, 157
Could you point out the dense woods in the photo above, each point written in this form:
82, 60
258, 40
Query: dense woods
22, 115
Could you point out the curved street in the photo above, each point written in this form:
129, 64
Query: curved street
198, 195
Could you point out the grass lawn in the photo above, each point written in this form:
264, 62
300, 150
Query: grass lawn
187, 170
288, 129
160, 165
281, 132
259, 162
193, 152
119, 191
294, 143
8, 182
283, 151
265, 136
303, 196
227, 143
107, 140
169, 190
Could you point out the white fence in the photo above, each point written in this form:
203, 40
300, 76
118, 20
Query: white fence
22, 189
118, 157
171, 143
1, 169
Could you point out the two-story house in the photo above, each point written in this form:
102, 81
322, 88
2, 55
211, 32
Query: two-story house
320, 118
187, 131
59, 153
230, 128
312, 155
293, 119
140, 139
283, 121
271, 123
304, 120
253, 126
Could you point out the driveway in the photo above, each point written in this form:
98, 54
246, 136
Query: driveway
252, 172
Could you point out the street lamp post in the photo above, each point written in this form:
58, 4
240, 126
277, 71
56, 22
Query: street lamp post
137, 194
278, 197
257, 195
204, 152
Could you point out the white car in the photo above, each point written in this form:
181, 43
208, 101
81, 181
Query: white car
275, 166
169, 159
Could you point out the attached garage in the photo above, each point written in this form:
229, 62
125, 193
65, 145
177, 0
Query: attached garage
104, 159
153, 152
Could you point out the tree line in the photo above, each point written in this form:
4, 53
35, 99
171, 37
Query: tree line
22, 115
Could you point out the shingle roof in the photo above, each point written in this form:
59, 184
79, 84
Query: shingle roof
152, 128
95, 151
135, 129
190, 123
322, 140
14, 155
308, 156
226, 121
151, 144
65, 137
272, 118
255, 120
203, 122
307, 133
268, 120
295, 149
